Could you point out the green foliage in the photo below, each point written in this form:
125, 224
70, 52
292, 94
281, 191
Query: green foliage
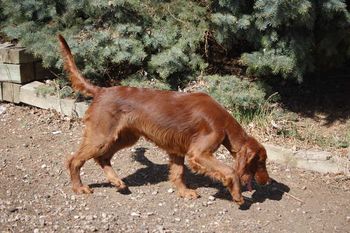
113, 39
246, 100
118, 38
161, 44
58, 87
139, 80
285, 38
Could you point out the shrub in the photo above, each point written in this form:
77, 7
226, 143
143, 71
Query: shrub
285, 38
117, 39
113, 39
139, 80
245, 99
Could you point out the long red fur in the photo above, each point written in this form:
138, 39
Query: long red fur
183, 124
79, 83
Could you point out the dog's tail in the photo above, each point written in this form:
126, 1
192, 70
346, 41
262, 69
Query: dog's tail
79, 83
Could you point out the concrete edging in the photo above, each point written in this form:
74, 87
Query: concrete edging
68, 107
313, 160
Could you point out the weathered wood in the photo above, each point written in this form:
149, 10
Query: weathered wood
10, 92
1, 99
15, 55
17, 73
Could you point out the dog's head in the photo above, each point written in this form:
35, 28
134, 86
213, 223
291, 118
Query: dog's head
251, 162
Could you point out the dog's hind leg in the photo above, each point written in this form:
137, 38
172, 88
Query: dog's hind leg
75, 162
111, 175
176, 175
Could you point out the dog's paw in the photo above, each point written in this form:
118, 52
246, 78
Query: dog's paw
82, 190
239, 201
188, 193
120, 185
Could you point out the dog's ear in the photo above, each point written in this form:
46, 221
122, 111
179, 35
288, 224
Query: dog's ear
244, 158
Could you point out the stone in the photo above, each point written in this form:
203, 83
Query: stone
28, 95
80, 109
318, 161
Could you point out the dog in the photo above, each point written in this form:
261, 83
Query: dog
182, 124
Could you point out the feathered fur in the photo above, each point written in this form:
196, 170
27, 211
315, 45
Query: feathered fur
182, 124
79, 83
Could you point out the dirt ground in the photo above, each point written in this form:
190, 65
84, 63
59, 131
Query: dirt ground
36, 196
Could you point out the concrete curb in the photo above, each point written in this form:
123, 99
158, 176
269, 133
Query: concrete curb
313, 160
67, 107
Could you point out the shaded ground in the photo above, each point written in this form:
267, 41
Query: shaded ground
314, 114
35, 194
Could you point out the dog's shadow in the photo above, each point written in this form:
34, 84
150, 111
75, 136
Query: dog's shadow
155, 173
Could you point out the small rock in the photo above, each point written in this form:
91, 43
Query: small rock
36, 230
154, 192
211, 198
2, 109
177, 219
348, 218
160, 228
134, 214
303, 188
43, 166
42, 222
56, 132
170, 190
12, 210
149, 213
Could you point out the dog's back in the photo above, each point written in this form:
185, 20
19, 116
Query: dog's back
170, 119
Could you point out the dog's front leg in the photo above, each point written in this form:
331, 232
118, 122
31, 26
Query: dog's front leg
207, 164
176, 175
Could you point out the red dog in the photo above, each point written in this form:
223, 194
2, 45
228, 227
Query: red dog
191, 124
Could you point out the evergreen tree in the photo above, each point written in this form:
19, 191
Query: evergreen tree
288, 38
166, 40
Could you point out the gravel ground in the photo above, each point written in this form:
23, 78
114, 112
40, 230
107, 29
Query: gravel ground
36, 196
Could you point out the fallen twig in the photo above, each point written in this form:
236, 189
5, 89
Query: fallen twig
292, 196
